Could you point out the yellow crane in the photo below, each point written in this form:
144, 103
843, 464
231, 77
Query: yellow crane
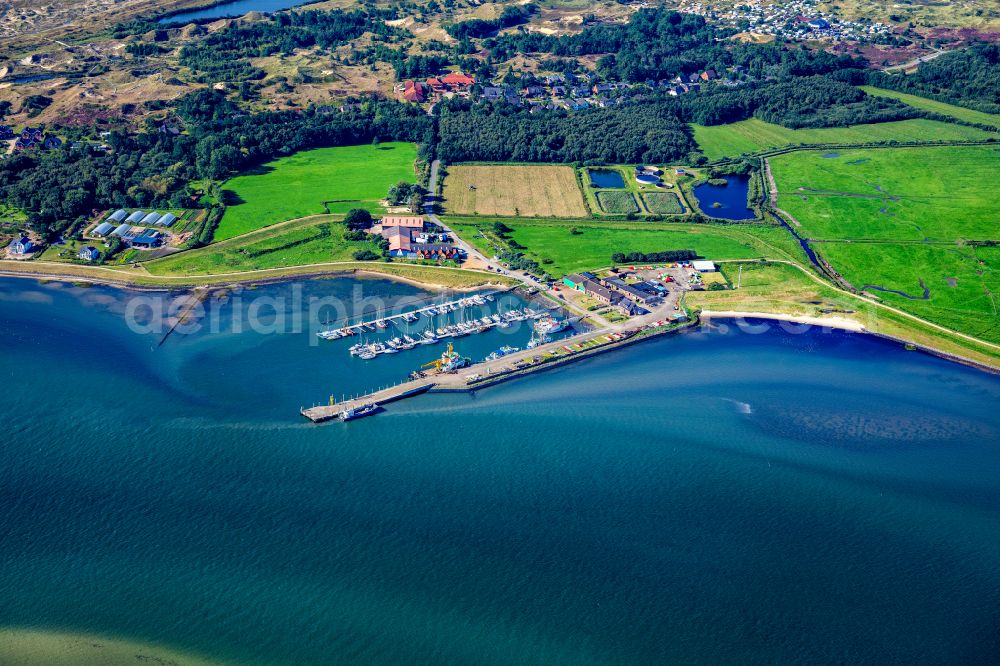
438, 363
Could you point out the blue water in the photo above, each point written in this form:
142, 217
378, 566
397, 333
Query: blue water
732, 197
724, 496
235, 8
605, 178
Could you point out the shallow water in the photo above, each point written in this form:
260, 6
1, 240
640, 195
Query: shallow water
722, 496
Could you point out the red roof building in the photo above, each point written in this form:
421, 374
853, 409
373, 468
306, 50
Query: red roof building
457, 80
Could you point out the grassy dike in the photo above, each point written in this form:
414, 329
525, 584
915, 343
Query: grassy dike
430, 277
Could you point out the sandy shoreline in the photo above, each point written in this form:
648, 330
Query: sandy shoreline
842, 323
43, 647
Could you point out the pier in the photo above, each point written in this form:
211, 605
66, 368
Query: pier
518, 364
320, 413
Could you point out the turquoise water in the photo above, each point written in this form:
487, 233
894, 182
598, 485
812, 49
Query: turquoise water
718, 497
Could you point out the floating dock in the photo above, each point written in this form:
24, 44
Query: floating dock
464, 302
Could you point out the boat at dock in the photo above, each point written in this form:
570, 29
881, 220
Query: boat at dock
352, 413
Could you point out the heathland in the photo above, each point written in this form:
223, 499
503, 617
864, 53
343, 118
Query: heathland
312, 182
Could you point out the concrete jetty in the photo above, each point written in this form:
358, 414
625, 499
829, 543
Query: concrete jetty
320, 413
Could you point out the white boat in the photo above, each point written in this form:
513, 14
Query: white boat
549, 325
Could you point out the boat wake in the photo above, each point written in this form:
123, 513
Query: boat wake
742, 407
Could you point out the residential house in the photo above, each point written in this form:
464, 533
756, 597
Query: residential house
458, 81
89, 253
21, 246
708, 75
492, 93
415, 91
435, 251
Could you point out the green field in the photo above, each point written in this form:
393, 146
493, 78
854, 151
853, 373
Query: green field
892, 218
617, 202
297, 243
963, 282
561, 252
662, 203
960, 112
940, 194
749, 136
298, 185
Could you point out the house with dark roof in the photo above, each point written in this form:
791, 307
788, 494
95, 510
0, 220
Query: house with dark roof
21, 246
708, 75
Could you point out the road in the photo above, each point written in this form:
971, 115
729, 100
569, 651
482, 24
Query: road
915, 61
430, 208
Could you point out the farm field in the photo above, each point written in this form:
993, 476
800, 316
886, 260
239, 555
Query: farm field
910, 194
513, 190
963, 282
748, 136
662, 203
298, 185
617, 202
311, 241
559, 251
945, 109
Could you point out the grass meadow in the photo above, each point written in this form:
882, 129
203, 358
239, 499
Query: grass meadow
893, 218
553, 245
298, 185
913, 194
662, 203
513, 190
749, 136
302, 242
934, 106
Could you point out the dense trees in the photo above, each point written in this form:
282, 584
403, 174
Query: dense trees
153, 169
511, 16
970, 77
643, 132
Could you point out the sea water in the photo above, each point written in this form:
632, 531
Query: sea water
730, 495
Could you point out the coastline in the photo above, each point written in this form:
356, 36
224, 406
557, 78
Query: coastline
150, 282
844, 324
44, 647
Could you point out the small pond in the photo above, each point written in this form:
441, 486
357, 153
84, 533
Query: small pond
731, 199
235, 8
605, 178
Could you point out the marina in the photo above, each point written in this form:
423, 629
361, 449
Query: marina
427, 312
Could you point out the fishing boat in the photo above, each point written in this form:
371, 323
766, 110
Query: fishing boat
352, 413
550, 325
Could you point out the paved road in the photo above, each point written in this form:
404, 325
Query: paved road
914, 62
430, 206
